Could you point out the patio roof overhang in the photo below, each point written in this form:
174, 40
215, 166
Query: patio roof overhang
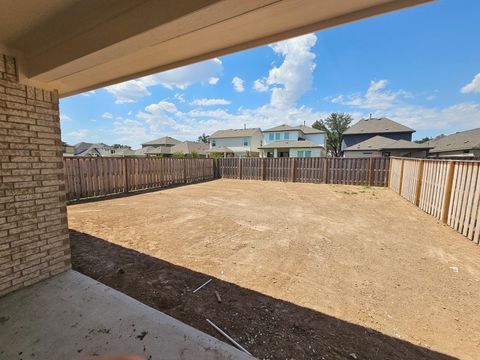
75, 46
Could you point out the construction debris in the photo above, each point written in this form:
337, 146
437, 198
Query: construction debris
228, 337
217, 295
201, 286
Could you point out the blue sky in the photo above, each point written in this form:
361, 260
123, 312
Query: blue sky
419, 66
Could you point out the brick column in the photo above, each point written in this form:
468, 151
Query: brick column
34, 243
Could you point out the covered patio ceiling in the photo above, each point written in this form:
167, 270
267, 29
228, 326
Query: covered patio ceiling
75, 46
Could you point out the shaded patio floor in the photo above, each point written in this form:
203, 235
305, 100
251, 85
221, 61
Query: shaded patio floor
72, 316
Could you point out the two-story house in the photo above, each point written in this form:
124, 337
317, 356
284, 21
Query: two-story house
236, 142
158, 147
366, 129
293, 141
381, 137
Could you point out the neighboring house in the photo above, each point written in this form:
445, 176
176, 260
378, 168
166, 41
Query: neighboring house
464, 144
158, 147
189, 147
368, 128
68, 150
92, 150
239, 142
380, 146
293, 141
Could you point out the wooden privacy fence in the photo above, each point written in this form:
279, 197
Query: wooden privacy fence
348, 171
446, 189
101, 176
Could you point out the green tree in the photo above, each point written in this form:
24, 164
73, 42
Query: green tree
178, 154
194, 154
422, 140
204, 139
216, 155
334, 126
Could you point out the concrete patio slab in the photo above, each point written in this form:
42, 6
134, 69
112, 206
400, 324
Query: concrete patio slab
72, 316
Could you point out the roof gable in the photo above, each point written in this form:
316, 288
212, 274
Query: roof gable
166, 140
233, 133
377, 126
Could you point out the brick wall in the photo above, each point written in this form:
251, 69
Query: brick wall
34, 242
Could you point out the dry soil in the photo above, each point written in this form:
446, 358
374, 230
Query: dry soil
304, 271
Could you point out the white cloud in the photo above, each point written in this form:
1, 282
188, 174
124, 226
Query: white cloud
79, 134
238, 84
162, 105
107, 115
294, 76
473, 86
88, 93
181, 78
382, 102
376, 97
64, 117
179, 97
210, 102
260, 86
129, 92
213, 80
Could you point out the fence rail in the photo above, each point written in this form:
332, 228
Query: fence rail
348, 171
102, 176
446, 189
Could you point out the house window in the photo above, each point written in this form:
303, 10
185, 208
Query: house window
270, 136
245, 141
308, 153
286, 136
213, 143
300, 153
277, 136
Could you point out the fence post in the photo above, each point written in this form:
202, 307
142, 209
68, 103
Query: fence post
184, 171
448, 191
370, 171
262, 169
125, 170
325, 170
419, 182
401, 177
292, 169
240, 168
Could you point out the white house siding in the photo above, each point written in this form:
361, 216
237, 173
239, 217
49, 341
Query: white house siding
315, 152
236, 144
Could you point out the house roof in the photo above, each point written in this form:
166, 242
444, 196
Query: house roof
166, 140
377, 126
220, 149
382, 143
303, 128
187, 147
464, 140
233, 133
286, 144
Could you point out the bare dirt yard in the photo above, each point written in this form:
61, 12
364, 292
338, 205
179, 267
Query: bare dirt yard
304, 271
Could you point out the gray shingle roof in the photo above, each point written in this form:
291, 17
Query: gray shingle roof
303, 128
285, 144
220, 149
376, 126
464, 140
166, 140
187, 147
232, 133
382, 143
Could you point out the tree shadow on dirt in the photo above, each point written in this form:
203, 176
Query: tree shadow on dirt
269, 328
